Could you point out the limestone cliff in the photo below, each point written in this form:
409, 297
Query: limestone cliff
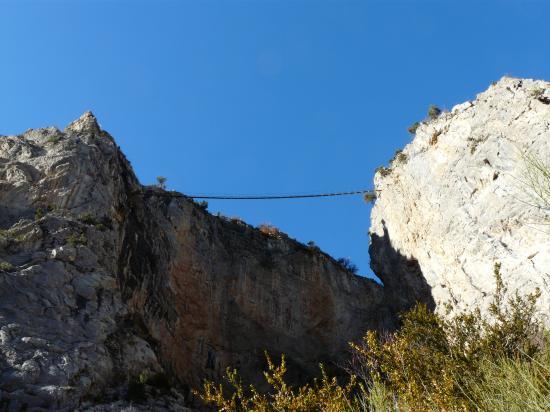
457, 200
103, 282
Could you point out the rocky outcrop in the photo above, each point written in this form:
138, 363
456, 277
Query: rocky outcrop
66, 336
108, 288
456, 201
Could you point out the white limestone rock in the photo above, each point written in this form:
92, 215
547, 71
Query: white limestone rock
456, 202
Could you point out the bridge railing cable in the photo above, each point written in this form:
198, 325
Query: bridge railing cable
365, 192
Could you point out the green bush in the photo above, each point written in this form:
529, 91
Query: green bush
348, 265
39, 213
434, 112
325, 394
369, 197
432, 362
384, 171
312, 246
399, 156
537, 93
161, 182
412, 128
88, 219
54, 138
77, 239
5, 266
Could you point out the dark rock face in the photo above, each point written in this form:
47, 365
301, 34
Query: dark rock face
236, 292
103, 280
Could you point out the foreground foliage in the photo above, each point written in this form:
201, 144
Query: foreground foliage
432, 363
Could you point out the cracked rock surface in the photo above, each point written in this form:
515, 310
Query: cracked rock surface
114, 295
66, 337
456, 201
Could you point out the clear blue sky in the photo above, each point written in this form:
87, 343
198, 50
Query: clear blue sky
259, 96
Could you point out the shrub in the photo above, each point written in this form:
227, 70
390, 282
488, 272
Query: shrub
203, 204
384, 171
369, 197
325, 394
513, 385
161, 182
537, 93
348, 265
54, 138
399, 156
88, 219
9, 236
156, 380
100, 224
434, 112
39, 213
237, 220
269, 230
5, 266
434, 363
77, 239
313, 246
412, 128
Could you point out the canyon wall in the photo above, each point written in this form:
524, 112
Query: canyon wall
103, 282
459, 199
106, 284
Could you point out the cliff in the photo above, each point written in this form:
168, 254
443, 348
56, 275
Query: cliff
112, 292
457, 200
105, 283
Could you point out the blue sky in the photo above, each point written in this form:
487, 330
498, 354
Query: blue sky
259, 96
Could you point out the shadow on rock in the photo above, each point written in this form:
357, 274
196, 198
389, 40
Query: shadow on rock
404, 283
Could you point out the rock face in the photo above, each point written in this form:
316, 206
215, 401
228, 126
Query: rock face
112, 293
456, 201
65, 333
237, 292
105, 283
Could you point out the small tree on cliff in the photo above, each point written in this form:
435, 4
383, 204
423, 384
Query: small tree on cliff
161, 182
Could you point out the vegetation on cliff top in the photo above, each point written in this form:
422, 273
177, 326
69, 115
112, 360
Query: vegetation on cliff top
466, 362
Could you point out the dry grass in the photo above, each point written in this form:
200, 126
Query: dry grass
269, 230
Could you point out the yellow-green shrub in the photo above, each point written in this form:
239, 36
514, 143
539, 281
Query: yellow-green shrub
325, 394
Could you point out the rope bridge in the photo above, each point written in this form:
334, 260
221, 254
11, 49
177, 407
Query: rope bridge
369, 194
